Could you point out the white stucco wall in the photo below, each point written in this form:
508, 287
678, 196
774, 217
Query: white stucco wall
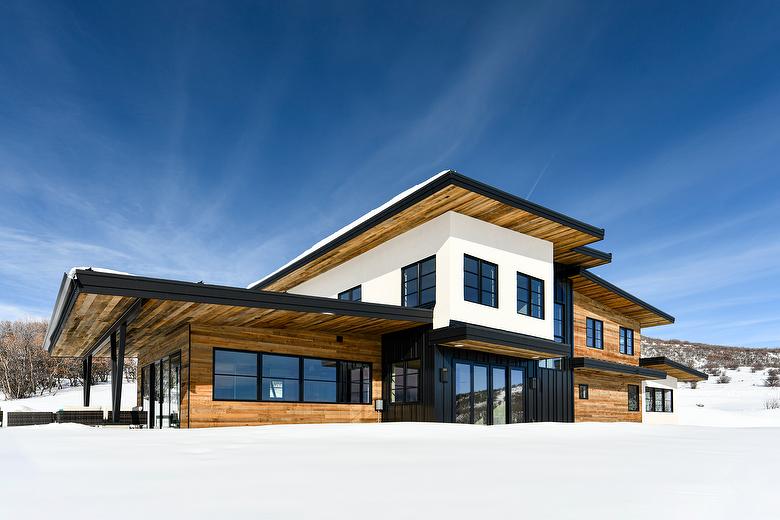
449, 237
660, 417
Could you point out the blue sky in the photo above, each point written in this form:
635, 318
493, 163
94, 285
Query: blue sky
207, 141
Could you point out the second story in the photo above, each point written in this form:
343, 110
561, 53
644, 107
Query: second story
476, 255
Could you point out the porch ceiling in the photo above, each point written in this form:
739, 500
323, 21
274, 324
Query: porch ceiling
475, 337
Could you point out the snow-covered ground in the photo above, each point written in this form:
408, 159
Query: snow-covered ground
739, 403
100, 396
392, 471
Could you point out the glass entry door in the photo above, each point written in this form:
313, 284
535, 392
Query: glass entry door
481, 394
161, 391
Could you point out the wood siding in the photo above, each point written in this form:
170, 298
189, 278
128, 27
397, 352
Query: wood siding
607, 397
204, 411
584, 308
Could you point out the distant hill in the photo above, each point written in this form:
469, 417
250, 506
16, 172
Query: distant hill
702, 355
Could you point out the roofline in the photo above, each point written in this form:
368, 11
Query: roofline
614, 288
453, 178
93, 282
468, 331
593, 252
663, 360
611, 366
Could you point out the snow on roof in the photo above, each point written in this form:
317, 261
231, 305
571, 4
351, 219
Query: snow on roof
72, 272
351, 226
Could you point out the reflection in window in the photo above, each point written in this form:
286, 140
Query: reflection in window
594, 333
418, 284
235, 375
355, 294
480, 394
480, 281
633, 398
659, 400
498, 394
583, 389
281, 378
530, 296
626, 341
462, 393
319, 380
517, 403
404, 381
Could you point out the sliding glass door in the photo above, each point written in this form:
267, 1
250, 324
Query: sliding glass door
161, 391
481, 394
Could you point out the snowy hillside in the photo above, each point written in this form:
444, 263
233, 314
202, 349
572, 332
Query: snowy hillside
741, 402
700, 355
100, 396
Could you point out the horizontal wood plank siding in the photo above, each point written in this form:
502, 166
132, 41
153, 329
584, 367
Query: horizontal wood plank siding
207, 412
584, 308
607, 397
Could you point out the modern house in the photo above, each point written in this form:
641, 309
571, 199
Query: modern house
658, 400
453, 302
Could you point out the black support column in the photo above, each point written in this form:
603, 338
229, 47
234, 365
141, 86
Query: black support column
87, 366
118, 368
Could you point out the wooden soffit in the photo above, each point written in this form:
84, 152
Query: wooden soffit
495, 341
673, 368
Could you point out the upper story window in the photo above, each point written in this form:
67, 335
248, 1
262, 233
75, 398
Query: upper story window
354, 294
418, 284
480, 281
530, 296
594, 333
559, 310
626, 341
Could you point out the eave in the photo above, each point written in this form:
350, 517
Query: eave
600, 365
673, 368
592, 286
584, 256
91, 302
450, 191
486, 339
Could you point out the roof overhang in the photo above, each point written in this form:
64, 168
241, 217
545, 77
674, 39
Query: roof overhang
584, 256
600, 365
449, 191
590, 285
486, 339
673, 368
90, 303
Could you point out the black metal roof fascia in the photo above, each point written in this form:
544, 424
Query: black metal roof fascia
594, 253
663, 360
466, 331
614, 288
66, 297
161, 289
610, 366
450, 178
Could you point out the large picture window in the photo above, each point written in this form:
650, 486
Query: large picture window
405, 382
659, 400
530, 296
418, 284
626, 341
480, 281
594, 333
235, 375
253, 376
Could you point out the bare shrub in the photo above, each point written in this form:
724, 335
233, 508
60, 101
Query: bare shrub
723, 379
712, 370
732, 364
757, 368
772, 403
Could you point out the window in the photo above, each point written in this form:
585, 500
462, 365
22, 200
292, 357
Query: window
404, 382
353, 295
633, 398
235, 375
319, 380
418, 284
554, 363
530, 296
658, 400
516, 392
480, 281
594, 333
289, 378
626, 341
559, 310
583, 391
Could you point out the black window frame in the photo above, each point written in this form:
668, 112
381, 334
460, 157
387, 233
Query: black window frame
590, 323
420, 288
582, 390
528, 289
637, 400
480, 264
350, 294
650, 396
625, 335
341, 393
214, 375
560, 302
393, 392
